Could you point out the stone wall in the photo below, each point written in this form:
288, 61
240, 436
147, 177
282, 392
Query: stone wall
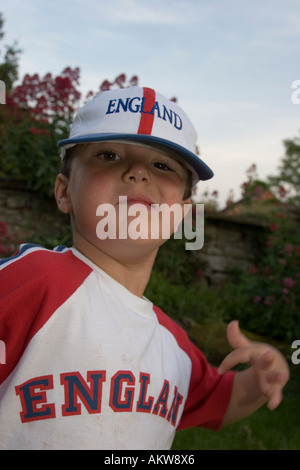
231, 243
26, 215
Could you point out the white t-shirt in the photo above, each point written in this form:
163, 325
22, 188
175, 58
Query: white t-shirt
89, 365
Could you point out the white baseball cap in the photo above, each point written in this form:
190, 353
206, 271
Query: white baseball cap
139, 116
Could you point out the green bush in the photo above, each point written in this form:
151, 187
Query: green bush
37, 114
176, 288
30, 154
267, 298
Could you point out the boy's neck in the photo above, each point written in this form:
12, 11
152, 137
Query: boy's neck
131, 268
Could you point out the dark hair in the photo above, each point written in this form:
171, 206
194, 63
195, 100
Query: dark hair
188, 188
66, 163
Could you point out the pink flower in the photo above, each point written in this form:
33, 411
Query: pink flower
257, 299
274, 227
282, 191
267, 270
253, 269
288, 249
3, 229
259, 191
200, 273
36, 131
269, 300
288, 282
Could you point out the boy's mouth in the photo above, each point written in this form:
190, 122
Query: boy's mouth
136, 199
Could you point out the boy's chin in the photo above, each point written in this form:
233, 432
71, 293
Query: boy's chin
129, 248
135, 243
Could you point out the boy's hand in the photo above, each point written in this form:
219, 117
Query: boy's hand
268, 364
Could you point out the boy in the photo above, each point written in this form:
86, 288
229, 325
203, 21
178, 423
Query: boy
91, 363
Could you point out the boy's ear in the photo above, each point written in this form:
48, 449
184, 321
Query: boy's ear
61, 194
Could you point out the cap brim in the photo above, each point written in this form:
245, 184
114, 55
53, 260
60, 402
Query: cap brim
202, 170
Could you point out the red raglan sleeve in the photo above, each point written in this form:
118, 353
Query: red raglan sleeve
21, 293
33, 284
209, 392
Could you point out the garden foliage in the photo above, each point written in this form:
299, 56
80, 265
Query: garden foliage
267, 298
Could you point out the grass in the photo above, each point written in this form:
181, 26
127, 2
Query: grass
264, 430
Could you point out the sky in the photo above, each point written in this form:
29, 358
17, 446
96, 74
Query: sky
230, 63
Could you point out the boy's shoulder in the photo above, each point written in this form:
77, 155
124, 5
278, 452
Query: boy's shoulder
35, 282
41, 260
33, 262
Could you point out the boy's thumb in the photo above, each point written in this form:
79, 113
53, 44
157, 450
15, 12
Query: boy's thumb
235, 337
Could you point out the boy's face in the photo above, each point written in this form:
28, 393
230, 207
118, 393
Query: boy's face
102, 172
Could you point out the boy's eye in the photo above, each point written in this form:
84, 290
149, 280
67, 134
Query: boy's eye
109, 156
162, 166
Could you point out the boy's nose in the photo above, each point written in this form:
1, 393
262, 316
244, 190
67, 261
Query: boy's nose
137, 173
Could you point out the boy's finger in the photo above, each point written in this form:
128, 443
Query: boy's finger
238, 356
274, 397
264, 361
278, 377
